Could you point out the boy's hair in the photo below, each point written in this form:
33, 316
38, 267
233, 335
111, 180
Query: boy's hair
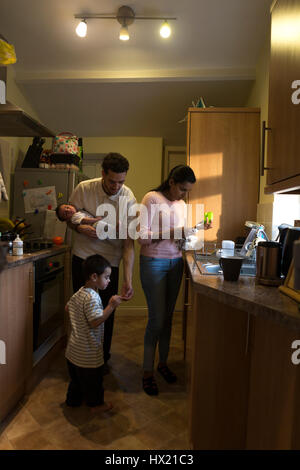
57, 210
116, 163
94, 264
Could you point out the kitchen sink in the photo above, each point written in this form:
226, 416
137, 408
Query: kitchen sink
210, 265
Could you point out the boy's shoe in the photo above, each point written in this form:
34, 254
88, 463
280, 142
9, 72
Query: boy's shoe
167, 373
73, 404
106, 406
150, 386
106, 369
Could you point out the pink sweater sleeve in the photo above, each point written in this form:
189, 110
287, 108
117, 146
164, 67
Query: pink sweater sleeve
145, 230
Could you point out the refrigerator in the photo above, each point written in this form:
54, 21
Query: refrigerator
34, 191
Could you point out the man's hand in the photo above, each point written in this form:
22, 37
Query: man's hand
87, 230
127, 291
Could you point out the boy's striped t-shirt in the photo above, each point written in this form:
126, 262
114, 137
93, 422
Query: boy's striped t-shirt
85, 344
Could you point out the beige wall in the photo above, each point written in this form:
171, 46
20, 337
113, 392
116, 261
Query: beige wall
145, 159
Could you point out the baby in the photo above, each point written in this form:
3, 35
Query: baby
69, 213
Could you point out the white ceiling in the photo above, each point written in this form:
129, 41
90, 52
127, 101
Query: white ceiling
101, 86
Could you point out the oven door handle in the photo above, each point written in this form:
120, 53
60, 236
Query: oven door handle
50, 277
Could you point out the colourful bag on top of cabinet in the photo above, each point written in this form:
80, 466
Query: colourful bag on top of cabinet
65, 142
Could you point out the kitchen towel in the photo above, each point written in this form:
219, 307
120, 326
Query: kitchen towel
3, 193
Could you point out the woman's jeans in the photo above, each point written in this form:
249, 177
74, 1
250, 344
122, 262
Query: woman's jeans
161, 279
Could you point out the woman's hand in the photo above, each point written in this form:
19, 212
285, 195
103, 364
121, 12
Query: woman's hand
207, 224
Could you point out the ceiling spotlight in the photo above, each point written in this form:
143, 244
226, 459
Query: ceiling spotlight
125, 16
165, 30
124, 34
81, 29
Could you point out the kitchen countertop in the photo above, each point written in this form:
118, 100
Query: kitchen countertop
246, 295
13, 261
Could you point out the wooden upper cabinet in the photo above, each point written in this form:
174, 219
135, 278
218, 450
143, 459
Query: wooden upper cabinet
223, 150
284, 116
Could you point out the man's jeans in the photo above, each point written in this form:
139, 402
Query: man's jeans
161, 279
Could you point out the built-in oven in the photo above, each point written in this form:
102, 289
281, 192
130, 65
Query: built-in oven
48, 306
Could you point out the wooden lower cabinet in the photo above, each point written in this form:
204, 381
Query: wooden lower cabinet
274, 411
16, 297
244, 390
219, 376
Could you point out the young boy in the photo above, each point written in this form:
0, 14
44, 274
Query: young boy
84, 351
69, 213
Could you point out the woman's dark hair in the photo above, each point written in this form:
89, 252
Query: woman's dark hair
94, 264
116, 163
180, 174
58, 207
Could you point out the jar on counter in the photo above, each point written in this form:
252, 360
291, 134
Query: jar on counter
17, 246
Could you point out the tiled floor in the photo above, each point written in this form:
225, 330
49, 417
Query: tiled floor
137, 421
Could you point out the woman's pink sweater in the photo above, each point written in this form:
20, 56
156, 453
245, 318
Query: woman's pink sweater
163, 214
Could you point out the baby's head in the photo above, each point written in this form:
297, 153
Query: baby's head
65, 212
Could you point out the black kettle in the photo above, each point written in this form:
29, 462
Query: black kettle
287, 235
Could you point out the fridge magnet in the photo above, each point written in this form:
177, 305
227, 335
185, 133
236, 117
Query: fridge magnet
49, 192
25, 183
24, 193
49, 207
60, 196
40, 182
36, 211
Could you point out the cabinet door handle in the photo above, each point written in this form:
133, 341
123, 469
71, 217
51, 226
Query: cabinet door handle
31, 285
187, 305
247, 335
264, 129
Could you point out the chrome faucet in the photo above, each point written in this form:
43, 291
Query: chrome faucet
256, 235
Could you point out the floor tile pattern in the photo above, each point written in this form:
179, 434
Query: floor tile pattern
137, 421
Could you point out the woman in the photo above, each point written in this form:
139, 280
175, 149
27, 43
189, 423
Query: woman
161, 267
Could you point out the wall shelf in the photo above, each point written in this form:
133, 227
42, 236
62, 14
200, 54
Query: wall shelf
14, 122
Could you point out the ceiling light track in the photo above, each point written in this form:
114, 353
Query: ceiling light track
125, 16
88, 16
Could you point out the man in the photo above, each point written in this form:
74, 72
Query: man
89, 195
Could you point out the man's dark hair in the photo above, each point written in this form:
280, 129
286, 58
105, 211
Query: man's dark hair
116, 163
94, 264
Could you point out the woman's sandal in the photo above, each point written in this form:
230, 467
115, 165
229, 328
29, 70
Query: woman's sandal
150, 386
167, 373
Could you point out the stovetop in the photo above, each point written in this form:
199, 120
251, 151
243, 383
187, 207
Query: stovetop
31, 246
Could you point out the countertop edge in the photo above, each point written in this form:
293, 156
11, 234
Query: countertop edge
13, 261
284, 310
